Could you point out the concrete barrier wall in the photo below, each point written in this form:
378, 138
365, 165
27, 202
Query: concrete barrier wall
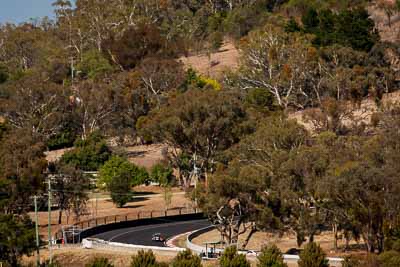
93, 243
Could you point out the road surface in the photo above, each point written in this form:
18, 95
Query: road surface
141, 235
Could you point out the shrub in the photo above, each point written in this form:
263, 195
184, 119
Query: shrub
62, 140
89, 154
99, 262
161, 174
312, 256
389, 259
94, 64
260, 98
118, 175
271, 257
144, 259
216, 40
351, 28
186, 259
231, 258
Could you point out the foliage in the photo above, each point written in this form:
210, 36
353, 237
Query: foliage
389, 259
162, 174
99, 262
199, 123
283, 64
17, 238
63, 139
22, 167
260, 99
116, 166
128, 52
40, 104
230, 258
186, 259
195, 81
144, 259
312, 256
93, 64
270, 257
292, 26
70, 186
118, 175
89, 154
352, 28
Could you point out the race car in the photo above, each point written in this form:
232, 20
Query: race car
158, 237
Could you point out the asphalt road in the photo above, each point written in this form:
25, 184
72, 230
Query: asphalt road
141, 235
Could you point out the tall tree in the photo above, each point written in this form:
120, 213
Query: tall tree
22, 171
199, 123
283, 64
17, 238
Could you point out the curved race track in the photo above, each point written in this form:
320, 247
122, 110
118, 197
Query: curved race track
141, 235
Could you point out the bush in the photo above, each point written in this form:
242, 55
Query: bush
186, 259
118, 175
61, 140
89, 154
162, 174
17, 238
99, 262
312, 256
216, 40
271, 257
230, 258
144, 259
94, 64
260, 98
351, 28
389, 259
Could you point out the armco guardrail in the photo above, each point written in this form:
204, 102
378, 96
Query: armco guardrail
334, 262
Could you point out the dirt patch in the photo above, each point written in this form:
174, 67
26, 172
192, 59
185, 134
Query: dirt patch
214, 64
146, 155
55, 155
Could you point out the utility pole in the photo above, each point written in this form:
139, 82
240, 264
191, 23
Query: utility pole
49, 222
37, 233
